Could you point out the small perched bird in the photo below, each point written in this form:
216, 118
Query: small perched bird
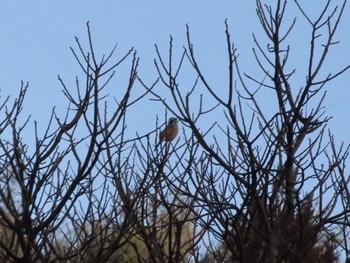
170, 131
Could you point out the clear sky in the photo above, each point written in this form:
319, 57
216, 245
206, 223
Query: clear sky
36, 36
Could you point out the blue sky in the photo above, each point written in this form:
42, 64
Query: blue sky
36, 36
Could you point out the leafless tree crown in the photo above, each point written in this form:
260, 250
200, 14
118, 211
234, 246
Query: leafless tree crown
245, 180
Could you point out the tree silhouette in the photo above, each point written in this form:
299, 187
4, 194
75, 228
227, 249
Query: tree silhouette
254, 175
245, 181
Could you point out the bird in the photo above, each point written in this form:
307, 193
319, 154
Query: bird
170, 131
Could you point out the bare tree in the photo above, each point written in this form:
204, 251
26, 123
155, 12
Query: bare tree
260, 173
245, 182
54, 179
85, 192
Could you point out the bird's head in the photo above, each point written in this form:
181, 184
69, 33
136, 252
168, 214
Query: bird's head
172, 120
